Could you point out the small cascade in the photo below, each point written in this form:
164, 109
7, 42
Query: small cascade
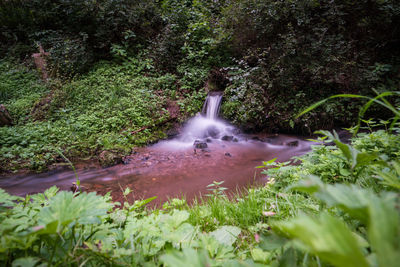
205, 125
211, 105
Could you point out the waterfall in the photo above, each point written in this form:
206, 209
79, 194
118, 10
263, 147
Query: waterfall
205, 126
211, 105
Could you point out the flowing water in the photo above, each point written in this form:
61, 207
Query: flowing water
208, 149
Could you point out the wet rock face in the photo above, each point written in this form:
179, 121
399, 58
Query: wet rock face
109, 158
200, 144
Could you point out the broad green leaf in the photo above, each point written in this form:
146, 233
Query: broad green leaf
215, 249
259, 255
271, 242
347, 150
174, 220
51, 192
344, 172
50, 228
181, 237
289, 258
384, 230
392, 177
141, 203
310, 185
327, 237
66, 207
226, 234
363, 159
241, 263
7, 200
25, 262
186, 257
349, 198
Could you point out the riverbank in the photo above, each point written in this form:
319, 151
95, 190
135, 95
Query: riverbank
256, 227
102, 115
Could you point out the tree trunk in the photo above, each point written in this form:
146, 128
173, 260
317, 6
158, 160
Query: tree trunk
5, 118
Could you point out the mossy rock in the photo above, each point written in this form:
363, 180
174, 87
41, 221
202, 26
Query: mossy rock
110, 158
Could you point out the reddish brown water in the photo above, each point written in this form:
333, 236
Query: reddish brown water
174, 168
167, 171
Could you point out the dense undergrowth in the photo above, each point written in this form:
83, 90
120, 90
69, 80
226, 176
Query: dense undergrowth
113, 108
328, 210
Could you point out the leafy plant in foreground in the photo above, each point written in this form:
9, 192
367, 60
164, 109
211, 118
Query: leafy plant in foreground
330, 238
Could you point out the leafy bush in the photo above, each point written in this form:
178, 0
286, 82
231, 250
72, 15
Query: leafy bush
77, 32
291, 54
20, 89
89, 114
43, 227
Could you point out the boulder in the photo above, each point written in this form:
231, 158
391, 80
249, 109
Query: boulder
293, 143
227, 138
200, 144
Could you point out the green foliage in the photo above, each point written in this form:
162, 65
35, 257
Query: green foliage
355, 163
379, 99
391, 176
20, 89
291, 54
87, 115
332, 240
216, 190
281, 56
54, 228
77, 33
314, 222
327, 237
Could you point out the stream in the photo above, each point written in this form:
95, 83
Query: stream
208, 149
